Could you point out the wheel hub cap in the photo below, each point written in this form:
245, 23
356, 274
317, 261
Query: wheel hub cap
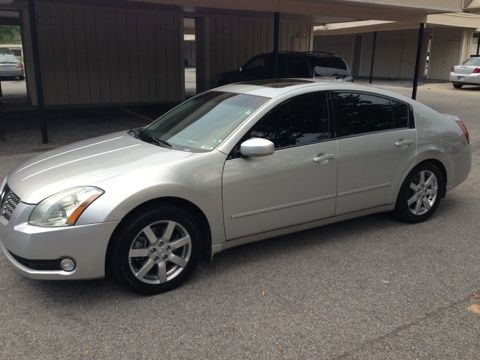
423, 193
160, 252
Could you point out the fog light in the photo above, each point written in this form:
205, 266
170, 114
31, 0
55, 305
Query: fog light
67, 265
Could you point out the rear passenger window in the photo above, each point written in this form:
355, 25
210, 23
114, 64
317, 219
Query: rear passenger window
298, 121
362, 113
401, 114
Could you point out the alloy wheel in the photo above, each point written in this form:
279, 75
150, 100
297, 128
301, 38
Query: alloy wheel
423, 193
160, 252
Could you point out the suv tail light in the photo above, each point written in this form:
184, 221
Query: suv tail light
476, 71
464, 129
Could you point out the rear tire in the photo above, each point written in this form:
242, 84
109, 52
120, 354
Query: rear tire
156, 250
457, 85
420, 194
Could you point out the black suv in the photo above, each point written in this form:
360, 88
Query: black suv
291, 65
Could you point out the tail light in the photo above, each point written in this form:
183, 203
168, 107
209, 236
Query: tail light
476, 71
452, 69
19, 66
464, 129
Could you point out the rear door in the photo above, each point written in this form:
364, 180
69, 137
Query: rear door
376, 146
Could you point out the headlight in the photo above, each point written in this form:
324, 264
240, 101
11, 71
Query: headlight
64, 208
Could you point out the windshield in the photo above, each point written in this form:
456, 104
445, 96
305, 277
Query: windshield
472, 62
203, 122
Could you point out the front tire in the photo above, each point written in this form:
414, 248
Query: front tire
156, 250
420, 194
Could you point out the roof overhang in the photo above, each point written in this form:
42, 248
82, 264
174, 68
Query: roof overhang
326, 11
457, 20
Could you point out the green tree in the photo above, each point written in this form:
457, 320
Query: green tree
10, 34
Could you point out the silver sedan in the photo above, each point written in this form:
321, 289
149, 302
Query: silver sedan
467, 73
237, 164
11, 67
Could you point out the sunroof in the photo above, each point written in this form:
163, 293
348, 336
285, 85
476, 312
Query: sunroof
280, 83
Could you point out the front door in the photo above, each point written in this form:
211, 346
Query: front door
295, 185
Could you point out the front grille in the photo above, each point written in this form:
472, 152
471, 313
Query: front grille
8, 202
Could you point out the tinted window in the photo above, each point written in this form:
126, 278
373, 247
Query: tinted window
401, 114
298, 67
297, 121
362, 113
256, 65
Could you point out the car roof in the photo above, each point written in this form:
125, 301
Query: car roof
302, 53
274, 88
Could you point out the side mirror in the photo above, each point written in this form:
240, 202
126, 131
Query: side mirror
256, 147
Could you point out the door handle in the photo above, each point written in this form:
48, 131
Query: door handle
324, 158
403, 142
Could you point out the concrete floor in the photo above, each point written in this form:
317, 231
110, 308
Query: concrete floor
369, 288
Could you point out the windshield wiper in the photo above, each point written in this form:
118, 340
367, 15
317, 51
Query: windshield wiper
151, 138
160, 142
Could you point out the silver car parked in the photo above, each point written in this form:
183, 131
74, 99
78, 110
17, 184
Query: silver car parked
467, 73
11, 67
234, 165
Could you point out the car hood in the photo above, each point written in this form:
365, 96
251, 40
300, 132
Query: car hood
86, 163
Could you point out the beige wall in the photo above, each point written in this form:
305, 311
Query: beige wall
102, 55
233, 40
340, 44
395, 52
449, 47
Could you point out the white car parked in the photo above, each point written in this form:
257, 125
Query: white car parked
466, 74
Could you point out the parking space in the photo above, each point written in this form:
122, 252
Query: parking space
369, 288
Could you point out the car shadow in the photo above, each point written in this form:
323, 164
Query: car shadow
470, 88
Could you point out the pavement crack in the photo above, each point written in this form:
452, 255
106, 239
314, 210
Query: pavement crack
349, 354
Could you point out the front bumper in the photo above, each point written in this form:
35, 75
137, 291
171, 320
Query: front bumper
86, 244
473, 79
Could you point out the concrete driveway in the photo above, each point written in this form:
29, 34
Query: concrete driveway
369, 288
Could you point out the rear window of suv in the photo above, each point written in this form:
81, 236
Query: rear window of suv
329, 62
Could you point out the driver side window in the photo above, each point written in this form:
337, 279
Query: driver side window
298, 121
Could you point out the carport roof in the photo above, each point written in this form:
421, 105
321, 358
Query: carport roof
458, 20
324, 11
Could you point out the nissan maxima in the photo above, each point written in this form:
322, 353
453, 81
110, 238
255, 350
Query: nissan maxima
234, 165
